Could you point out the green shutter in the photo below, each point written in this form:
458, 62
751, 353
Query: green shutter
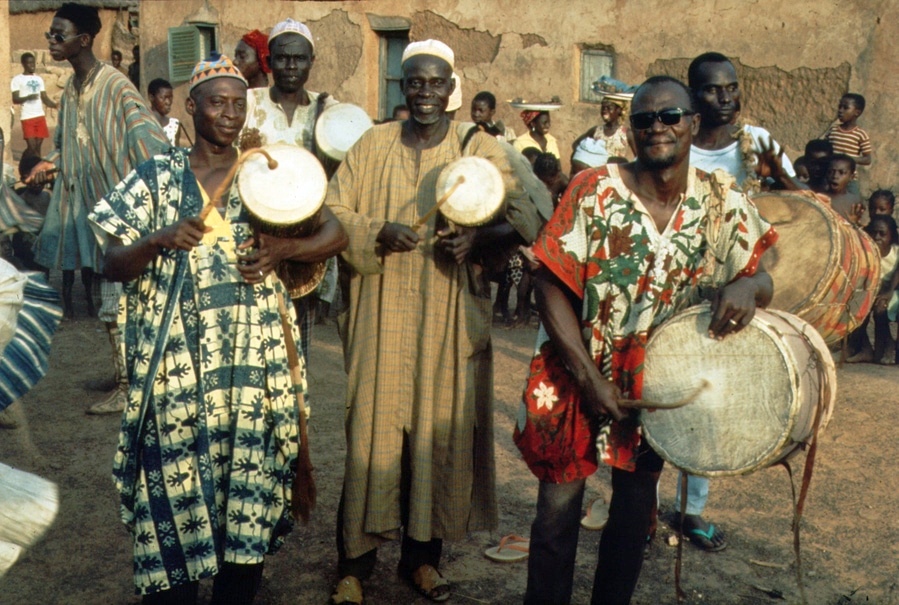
184, 52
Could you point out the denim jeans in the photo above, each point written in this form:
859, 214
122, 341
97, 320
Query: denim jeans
697, 493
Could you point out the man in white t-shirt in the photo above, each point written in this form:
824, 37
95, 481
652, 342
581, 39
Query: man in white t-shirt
713, 80
28, 91
719, 144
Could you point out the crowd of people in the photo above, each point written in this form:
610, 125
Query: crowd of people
210, 360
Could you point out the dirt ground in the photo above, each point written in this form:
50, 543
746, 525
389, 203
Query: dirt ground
850, 532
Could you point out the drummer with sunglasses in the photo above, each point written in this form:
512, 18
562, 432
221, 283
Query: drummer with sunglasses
624, 251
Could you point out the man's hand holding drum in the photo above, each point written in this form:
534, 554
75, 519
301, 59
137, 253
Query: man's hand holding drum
457, 241
733, 306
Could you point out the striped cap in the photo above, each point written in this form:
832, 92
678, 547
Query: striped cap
214, 66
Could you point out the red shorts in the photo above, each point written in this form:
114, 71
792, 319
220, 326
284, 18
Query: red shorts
35, 128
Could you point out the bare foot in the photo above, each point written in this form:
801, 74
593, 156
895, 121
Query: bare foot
863, 356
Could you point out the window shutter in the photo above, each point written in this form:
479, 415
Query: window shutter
184, 52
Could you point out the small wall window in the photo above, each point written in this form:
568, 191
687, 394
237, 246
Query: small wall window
595, 63
188, 45
393, 34
391, 68
185, 51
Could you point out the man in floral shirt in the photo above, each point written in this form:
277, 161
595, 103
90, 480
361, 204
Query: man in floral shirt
628, 247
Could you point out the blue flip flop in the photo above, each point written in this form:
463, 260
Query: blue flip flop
704, 539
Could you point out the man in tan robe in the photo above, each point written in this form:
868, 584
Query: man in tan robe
417, 337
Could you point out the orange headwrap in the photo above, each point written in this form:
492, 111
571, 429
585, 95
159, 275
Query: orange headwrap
259, 42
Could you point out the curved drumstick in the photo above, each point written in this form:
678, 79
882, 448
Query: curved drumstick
644, 404
226, 182
427, 215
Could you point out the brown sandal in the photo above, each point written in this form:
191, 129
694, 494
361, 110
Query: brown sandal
348, 591
430, 583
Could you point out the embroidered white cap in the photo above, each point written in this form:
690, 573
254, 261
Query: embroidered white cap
290, 26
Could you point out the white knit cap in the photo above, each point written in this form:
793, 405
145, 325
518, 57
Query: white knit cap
455, 100
289, 26
435, 48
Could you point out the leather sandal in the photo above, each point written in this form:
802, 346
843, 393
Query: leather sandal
348, 590
430, 583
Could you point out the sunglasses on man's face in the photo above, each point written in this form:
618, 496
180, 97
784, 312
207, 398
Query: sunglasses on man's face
669, 116
59, 38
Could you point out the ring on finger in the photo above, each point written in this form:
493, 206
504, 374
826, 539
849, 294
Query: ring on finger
261, 274
733, 322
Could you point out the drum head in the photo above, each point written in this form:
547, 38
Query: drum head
478, 198
339, 127
808, 250
287, 194
764, 390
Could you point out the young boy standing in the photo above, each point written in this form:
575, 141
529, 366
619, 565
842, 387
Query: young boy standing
28, 91
846, 135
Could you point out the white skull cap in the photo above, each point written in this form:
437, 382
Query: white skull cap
435, 48
289, 26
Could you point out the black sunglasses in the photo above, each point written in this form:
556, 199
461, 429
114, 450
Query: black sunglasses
59, 38
668, 116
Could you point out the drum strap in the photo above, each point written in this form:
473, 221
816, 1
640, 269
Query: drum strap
824, 393
682, 486
721, 182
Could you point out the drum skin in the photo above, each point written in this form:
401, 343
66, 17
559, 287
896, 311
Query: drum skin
287, 195
767, 385
286, 202
825, 270
478, 198
339, 127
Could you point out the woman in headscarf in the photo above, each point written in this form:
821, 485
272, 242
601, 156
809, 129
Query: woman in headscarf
538, 123
251, 58
606, 143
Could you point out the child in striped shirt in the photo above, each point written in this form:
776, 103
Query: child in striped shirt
846, 135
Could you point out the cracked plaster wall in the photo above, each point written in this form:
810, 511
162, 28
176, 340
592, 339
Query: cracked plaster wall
796, 58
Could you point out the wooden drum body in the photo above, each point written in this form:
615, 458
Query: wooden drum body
768, 386
824, 270
286, 201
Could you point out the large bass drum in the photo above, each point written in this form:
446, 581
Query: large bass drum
286, 201
766, 389
824, 270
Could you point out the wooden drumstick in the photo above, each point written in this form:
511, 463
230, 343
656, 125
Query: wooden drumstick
642, 404
226, 183
427, 216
